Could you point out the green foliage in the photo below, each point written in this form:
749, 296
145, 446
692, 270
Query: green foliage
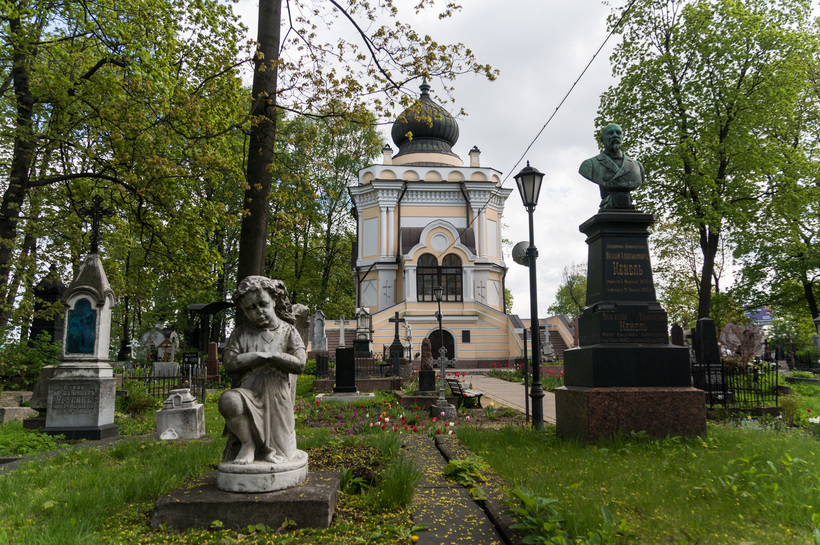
571, 296
310, 368
17, 441
22, 362
138, 401
397, 485
714, 97
348, 483
469, 473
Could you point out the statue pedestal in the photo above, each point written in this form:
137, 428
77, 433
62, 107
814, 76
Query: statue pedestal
261, 477
591, 414
81, 401
625, 375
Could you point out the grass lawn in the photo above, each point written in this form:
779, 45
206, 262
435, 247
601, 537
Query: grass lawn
746, 482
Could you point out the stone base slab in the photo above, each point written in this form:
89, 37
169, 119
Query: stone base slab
198, 505
591, 414
627, 365
15, 414
449, 411
260, 477
91, 433
345, 398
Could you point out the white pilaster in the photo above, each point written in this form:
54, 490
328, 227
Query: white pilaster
477, 232
410, 284
482, 220
390, 231
383, 222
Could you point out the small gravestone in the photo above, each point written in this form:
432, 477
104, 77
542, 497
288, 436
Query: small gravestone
677, 335
39, 399
212, 362
345, 371
181, 417
319, 338
362, 340
427, 375
708, 370
165, 369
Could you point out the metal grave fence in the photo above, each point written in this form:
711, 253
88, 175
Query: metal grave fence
737, 387
160, 385
365, 367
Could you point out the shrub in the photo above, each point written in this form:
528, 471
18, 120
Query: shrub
22, 362
139, 401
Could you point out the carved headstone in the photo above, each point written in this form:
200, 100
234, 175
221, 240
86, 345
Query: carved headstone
81, 394
319, 340
426, 354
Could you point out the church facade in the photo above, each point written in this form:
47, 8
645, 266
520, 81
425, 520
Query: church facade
425, 219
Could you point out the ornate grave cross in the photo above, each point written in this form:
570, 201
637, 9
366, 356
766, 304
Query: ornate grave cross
396, 348
96, 213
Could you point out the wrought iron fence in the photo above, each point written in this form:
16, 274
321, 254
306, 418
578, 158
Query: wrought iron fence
158, 385
365, 367
737, 387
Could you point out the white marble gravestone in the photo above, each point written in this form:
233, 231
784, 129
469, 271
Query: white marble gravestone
182, 415
82, 392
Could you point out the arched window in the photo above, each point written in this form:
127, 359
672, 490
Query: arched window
426, 277
429, 275
451, 277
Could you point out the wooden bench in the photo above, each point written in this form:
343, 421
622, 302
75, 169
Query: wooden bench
474, 396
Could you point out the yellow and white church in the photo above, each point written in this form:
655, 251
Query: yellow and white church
425, 219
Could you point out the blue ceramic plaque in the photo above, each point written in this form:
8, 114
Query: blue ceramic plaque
82, 325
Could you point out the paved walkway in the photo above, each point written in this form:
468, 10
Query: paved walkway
508, 394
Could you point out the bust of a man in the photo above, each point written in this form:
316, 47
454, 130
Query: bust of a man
613, 170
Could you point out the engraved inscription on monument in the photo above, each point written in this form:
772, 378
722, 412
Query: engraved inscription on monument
627, 272
75, 398
633, 327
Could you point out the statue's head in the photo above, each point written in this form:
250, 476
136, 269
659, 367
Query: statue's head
274, 290
612, 137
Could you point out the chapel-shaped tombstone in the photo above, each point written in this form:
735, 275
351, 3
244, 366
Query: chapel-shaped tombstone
81, 394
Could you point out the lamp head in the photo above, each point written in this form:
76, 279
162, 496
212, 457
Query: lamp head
438, 293
529, 185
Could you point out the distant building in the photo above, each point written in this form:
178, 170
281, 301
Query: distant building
424, 220
760, 316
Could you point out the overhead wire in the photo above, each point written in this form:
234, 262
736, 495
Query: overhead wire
550, 118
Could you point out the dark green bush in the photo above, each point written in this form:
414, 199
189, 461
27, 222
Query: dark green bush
138, 401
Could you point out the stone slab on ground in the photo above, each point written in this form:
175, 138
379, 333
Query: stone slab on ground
422, 402
590, 414
198, 504
15, 414
443, 505
362, 384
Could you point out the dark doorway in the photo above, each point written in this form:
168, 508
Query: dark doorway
435, 343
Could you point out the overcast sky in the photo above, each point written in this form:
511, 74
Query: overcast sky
540, 47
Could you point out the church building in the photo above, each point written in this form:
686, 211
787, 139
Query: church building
427, 220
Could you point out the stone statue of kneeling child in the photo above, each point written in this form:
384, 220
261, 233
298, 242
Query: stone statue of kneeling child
264, 352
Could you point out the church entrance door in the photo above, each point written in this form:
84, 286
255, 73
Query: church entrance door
435, 343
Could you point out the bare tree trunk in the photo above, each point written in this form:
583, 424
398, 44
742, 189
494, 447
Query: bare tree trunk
254, 232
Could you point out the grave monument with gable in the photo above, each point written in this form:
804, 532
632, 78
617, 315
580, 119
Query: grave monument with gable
81, 394
625, 375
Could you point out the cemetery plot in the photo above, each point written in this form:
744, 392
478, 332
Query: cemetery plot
194, 378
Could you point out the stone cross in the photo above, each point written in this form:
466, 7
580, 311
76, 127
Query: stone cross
96, 213
396, 348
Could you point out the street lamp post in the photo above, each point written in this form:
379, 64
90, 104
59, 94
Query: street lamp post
438, 292
529, 186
